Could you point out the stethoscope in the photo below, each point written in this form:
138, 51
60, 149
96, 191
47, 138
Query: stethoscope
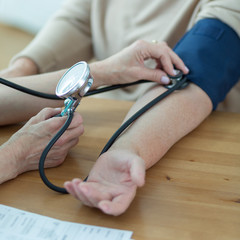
75, 84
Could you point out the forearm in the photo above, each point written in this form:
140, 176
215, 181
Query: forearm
17, 106
103, 74
158, 129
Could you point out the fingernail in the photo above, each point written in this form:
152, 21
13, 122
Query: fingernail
186, 69
165, 80
175, 72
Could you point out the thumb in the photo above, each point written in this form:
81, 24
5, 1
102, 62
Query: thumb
155, 75
138, 171
45, 114
46, 119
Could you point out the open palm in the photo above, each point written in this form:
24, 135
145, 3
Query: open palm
112, 182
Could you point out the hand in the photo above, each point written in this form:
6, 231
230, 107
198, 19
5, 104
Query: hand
20, 67
112, 182
29, 142
128, 65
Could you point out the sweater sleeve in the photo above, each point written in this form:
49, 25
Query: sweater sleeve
226, 11
64, 40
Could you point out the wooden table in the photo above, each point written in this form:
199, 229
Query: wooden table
192, 193
12, 41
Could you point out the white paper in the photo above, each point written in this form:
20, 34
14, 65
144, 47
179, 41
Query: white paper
16, 224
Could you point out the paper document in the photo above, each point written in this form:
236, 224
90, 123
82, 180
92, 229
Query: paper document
16, 224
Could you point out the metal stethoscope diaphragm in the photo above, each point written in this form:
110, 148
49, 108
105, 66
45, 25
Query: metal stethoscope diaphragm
73, 85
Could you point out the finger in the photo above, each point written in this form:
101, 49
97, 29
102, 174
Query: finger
45, 114
177, 61
74, 130
95, 193
77, 120
168, 58
49, 125
69, 135
70, 189
167, 64
80, 192
54, 124
160, 51
118, 205
155, 75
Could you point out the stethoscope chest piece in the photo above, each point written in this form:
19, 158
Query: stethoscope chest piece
175, 79
73, 85
75, 82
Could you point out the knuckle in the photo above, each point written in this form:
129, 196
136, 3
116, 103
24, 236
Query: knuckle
156, 75
61, 141
164, 58
139, 43
137, 75
165, 47
46, 110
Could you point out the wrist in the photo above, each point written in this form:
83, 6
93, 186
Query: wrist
18, 151
103, 74
8, 159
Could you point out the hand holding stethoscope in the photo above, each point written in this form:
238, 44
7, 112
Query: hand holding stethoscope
128, 65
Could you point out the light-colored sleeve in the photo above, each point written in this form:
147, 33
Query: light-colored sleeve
227, 11
64, 40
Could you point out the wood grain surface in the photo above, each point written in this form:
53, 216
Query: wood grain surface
193, 192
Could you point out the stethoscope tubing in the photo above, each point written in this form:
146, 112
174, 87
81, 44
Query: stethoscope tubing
48, 148
55, 97
179, 85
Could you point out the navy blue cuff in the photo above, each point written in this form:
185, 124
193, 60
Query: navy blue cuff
211, 50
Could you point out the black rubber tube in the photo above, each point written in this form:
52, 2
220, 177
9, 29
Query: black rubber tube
45, 153
179, 85
55, 97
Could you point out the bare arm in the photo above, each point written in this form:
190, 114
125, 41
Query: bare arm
165, 123
18, 106
113, 180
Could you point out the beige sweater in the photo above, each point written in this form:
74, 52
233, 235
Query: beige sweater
86, 29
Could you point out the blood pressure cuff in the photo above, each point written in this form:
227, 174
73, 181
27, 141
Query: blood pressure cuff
211, 50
